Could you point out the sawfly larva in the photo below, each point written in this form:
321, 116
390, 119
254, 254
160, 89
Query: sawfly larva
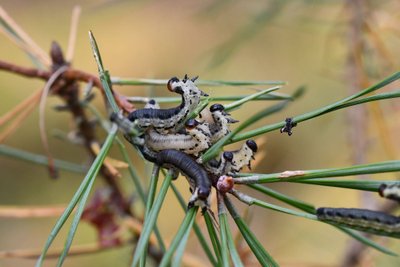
221, 120
374, 222
169, 120
194, 141
222, 166
197, 177
243, 156
200, 183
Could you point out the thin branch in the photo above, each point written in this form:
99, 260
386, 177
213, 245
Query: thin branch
24, 41
55, 253
69, 76
18, 120
30, 211
42, 126
20, 107
72, 34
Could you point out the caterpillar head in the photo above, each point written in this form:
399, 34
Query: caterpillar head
191, 124
203, 193
218, 110
228, 156
252, 145
217, 107
172, 83
186, 86
200, 197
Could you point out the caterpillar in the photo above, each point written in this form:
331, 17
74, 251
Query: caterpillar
374, 222
197, 177
222, 166
195, 140
243, 156
200, 183
219, 128
390, 191
232, 162
168, 120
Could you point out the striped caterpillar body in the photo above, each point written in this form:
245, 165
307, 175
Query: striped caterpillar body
197, 177
374, 222
243, 156
390, 191
195, 140
220, 127
167, 120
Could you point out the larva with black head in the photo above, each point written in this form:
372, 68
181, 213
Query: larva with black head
390, 191
243, 156
169, 120
197, 177
221, 120
222, 166
152, 104
374, 222
194, 141
195, 173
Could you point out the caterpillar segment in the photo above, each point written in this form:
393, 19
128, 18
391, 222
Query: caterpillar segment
370, 221
170, 120
193, 142
221, 120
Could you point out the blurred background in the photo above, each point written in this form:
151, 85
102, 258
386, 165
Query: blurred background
334, 48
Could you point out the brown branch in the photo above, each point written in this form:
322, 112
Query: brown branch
30, 211
55, 253
70, 75
18, 119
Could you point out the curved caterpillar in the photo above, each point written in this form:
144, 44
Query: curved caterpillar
220, 127
221, 167
197, 177
390, 191
167, 120
243, 156
232, 162
195, 140
374, 222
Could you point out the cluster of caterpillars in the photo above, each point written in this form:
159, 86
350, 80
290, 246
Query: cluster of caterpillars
371, 221
172, 140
